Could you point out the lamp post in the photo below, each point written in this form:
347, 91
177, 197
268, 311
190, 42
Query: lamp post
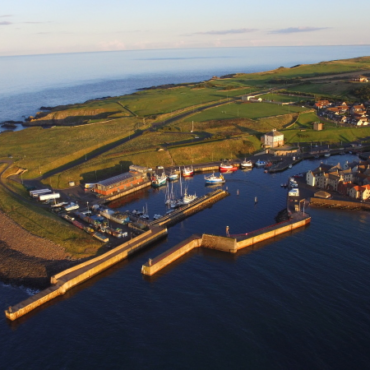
87, 206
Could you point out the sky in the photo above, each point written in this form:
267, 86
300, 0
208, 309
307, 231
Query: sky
68, 26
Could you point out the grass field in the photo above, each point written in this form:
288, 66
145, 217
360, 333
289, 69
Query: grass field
40, 150
283, 98
45, 224
328, 135
243, 110
332, 89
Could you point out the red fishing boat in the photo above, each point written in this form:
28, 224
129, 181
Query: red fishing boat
227, 167
188, 171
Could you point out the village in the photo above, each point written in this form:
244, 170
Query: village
353, 180
343, 113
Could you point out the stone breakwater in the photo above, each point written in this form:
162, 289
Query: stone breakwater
26, 259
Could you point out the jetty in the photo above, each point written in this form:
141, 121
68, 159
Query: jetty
225, 244
191, 208
73, 276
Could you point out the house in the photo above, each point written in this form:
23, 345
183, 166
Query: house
273, 139
358, 109
318, 126
359, 79
340, 119
354, 191
119, 183
255, 100
320, 104
247, 97
365, 192
343, 187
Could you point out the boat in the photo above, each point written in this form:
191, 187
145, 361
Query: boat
246, 164
227, 167
213, 179
187, 198
57, 205
260, 163
174, 175
158, 181
188, 171
157, 216
71, 206
327, 155
110, 214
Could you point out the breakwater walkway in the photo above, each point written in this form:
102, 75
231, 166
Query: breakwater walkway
73, 276
191, 208
225, 244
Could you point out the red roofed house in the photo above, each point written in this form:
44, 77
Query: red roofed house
322, 104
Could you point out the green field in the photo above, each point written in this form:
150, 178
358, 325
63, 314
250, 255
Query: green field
45, 224
40, 150
283, 98
244, 110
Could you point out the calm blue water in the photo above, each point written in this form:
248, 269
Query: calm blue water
301, 302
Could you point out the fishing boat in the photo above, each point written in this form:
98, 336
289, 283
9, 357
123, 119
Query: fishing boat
260, 163
188, 171
213, 179
187, 198
174, 175
158, 181
227, 167
71, 206
246, 164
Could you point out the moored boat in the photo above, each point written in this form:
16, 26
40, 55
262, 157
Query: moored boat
188, 171
158, 181
260, 163
246, 164
213, 179
174, 175
227, 167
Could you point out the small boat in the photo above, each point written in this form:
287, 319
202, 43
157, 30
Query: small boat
213, 179
227, 167
188, 171
71, 206
268, 164
158, 181
290, 166
188, 198
260, 163
246, 164
157, 216
327, 155
174, 175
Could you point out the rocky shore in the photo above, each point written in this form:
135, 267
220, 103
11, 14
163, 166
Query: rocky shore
26, 259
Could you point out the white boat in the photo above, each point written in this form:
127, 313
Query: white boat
187, 198
327, 155
246, 164
157, 216
71, 206
56, 205
174, 175
158, 181
213, 179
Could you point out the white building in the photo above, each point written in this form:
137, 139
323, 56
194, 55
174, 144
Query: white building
273, 139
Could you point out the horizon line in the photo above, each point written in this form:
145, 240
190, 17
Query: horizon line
185, 48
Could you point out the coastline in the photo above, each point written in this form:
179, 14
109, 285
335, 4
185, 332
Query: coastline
28, 260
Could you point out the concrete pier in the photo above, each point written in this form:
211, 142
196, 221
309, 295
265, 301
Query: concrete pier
196, 206
225, 244
73, 276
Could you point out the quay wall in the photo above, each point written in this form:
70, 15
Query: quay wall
71, 277
332, 203
174, 253
282, 228
221, 243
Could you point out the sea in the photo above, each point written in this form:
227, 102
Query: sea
300, 301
